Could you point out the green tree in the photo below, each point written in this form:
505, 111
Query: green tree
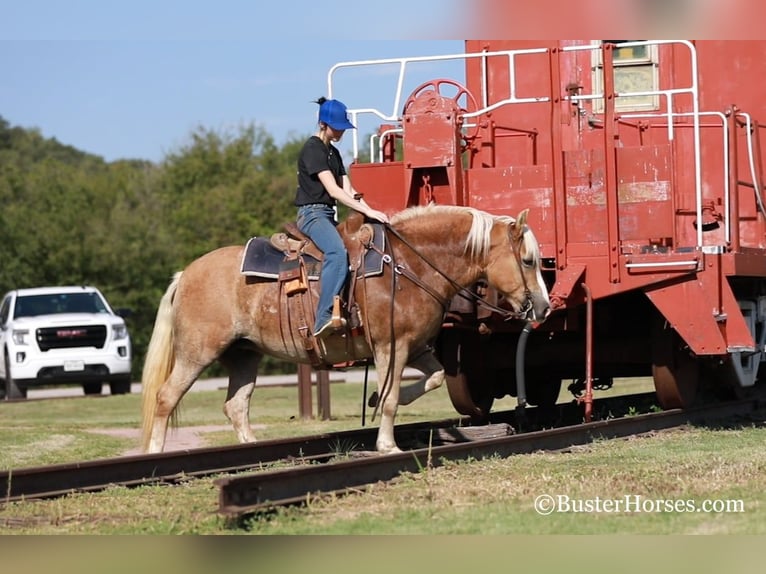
69, 217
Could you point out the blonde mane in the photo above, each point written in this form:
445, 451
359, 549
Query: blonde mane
477, 242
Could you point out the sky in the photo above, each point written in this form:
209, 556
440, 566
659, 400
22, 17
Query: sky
124, 90
134, 79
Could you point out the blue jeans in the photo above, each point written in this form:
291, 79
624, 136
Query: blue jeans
318, 222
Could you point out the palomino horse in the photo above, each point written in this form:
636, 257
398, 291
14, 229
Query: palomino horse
211, 312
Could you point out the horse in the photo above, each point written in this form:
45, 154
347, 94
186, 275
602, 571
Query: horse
211, 312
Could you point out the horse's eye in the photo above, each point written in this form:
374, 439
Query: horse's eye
528, 262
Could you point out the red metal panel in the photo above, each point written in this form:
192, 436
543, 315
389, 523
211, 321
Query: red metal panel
586, 196
430, 140
508, 190
689, 308
383, 185
709, 320
644, 193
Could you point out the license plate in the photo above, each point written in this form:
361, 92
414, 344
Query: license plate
74, 366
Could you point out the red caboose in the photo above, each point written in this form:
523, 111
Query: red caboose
642, 166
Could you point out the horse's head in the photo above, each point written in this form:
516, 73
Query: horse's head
513, 268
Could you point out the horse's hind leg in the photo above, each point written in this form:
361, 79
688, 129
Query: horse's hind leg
242, 365
181, 379
433, 377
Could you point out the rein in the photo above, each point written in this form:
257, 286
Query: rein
461, 291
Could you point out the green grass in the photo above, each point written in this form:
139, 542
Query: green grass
493, 496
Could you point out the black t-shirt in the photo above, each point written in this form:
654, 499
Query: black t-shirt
316, 157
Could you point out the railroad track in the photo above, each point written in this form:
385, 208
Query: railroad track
171, 467
430, 443
243, 495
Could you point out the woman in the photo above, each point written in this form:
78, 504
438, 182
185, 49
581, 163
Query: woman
322, 183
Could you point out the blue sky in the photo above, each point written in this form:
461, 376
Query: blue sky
134, 80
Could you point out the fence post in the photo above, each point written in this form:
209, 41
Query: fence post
323, 394
304, 392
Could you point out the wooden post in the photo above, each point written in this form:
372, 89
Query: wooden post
323, 394
304, 392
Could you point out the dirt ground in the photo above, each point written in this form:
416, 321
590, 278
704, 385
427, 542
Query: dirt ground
181, 438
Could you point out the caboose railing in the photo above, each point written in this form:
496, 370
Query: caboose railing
751, 131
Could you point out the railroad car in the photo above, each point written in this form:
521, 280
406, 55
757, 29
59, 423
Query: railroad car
642, 166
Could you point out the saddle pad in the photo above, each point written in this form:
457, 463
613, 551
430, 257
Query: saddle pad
373, 260
262, 259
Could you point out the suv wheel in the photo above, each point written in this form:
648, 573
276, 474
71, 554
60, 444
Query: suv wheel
120, 387
12, 390
92, 388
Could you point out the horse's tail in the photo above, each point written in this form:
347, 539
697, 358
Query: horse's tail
159, 361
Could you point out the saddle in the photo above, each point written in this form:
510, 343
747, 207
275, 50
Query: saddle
293, 242
294, 260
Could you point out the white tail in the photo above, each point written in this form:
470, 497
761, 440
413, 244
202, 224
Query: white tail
159, 361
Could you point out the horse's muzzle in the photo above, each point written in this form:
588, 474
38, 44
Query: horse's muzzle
536, 309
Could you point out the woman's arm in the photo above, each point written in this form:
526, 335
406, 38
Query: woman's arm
348, 196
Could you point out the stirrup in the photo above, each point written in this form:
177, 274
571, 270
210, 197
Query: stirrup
329, 328
338, 322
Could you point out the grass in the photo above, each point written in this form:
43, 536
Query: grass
492, 496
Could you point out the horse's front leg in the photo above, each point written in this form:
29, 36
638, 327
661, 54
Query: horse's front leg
389, 380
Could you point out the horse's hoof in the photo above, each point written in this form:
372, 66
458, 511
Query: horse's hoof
389, 449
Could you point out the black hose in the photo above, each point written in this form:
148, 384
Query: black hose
521, 385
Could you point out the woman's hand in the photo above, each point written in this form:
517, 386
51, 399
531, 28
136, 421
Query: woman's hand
377, 215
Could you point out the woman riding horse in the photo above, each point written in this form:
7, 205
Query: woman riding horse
211, 312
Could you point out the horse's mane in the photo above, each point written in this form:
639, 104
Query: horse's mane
477, 241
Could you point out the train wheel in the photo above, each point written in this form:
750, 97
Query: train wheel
543, 391
676, 373
723, 383
469, 385
469, 398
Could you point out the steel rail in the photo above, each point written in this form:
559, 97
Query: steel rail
173, 466
61, 479
248, 494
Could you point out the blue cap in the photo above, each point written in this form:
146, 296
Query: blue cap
333, 113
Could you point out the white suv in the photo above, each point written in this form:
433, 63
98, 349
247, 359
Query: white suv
62, 335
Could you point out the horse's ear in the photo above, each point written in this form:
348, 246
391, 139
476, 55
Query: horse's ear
517, 229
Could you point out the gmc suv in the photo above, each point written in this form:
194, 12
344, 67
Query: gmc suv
62, 335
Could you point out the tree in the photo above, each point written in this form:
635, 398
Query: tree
128, 226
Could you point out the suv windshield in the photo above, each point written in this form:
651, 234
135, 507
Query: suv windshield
31, 305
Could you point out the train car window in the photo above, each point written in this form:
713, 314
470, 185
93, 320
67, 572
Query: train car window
635, 72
